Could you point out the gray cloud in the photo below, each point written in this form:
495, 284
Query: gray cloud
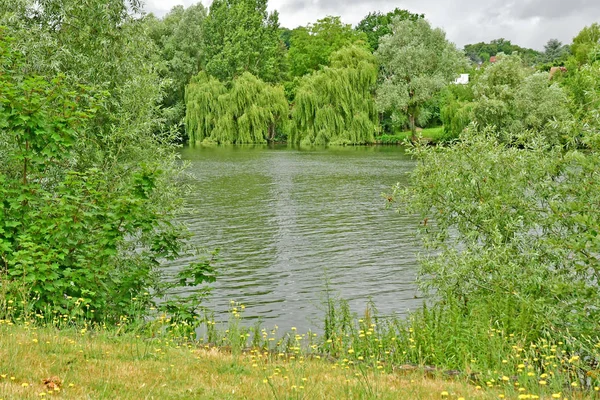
554, 9
528, 23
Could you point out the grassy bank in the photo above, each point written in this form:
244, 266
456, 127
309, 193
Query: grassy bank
429, 134
75, 363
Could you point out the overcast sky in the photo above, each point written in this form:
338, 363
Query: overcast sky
528, 23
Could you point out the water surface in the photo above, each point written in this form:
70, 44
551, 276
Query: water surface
289, 222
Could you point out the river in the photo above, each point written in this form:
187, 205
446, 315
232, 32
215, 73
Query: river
291, 222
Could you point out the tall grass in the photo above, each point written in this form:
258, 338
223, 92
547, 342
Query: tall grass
430, 343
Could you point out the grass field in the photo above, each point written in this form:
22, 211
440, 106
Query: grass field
45, 362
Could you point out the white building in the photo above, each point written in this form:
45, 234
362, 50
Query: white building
462, 80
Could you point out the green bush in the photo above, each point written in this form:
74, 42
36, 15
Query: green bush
513, 239
68, 232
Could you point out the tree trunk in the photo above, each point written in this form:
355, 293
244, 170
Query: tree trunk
413, 128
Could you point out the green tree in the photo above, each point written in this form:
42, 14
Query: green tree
582, 84
417, 62
513, 243
121, 151
102, 44
286, 35
250, 111
311, 46
335, 105
178, 37
481, 52
456, 109
585, 42
74, 241
555, 52
376, 25
240, 36
519, 104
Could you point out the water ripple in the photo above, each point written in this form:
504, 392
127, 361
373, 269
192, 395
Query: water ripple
291, 223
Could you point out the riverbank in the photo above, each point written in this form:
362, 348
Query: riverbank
429, 135
44, 362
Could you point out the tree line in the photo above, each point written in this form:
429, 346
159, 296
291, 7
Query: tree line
395, 80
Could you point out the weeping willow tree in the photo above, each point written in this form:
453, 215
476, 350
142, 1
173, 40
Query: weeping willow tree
249, 111
335, 105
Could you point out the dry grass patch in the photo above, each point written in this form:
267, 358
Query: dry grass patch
100, 365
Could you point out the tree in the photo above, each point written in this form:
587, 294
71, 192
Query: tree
311, 46
240, 36
416, 63
117, 163
70, 231
555, 51
178, 37
286, 35
103, 44
513, 245
517, 103
376, 25
335, 105
514, 102
481, 52
250, 111
585, 41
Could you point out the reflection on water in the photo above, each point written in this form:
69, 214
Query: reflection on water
289, 221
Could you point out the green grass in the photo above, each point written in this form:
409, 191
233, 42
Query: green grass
354, 358
429, 134
45, 362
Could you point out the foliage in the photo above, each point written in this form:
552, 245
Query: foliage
285, 34
376, 25
555, 52
481, 52
521, 105
428, 135
312, 46
417, 62
249, 112
73, 233
512, 238
585, 42
178, 37
240, 36
98, 43
583, 87
456, 109
335, 105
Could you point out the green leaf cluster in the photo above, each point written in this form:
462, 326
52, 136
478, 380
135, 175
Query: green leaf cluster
312, 46
241, 36
481, 52
417, 62
584, 44
513, 235
376, 24
178, 38
89, 180
335, 105
250, 111
519, 104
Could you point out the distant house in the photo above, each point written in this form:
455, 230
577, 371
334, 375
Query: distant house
493, 59
463, 79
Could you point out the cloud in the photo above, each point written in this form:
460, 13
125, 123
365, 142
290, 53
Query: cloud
528, 23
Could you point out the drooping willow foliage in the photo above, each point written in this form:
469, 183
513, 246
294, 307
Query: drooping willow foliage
335, 105
250, 111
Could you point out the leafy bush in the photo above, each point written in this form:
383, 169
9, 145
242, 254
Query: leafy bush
68, 232
514, 240
518, 104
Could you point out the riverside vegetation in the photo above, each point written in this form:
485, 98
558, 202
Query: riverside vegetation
95, 94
